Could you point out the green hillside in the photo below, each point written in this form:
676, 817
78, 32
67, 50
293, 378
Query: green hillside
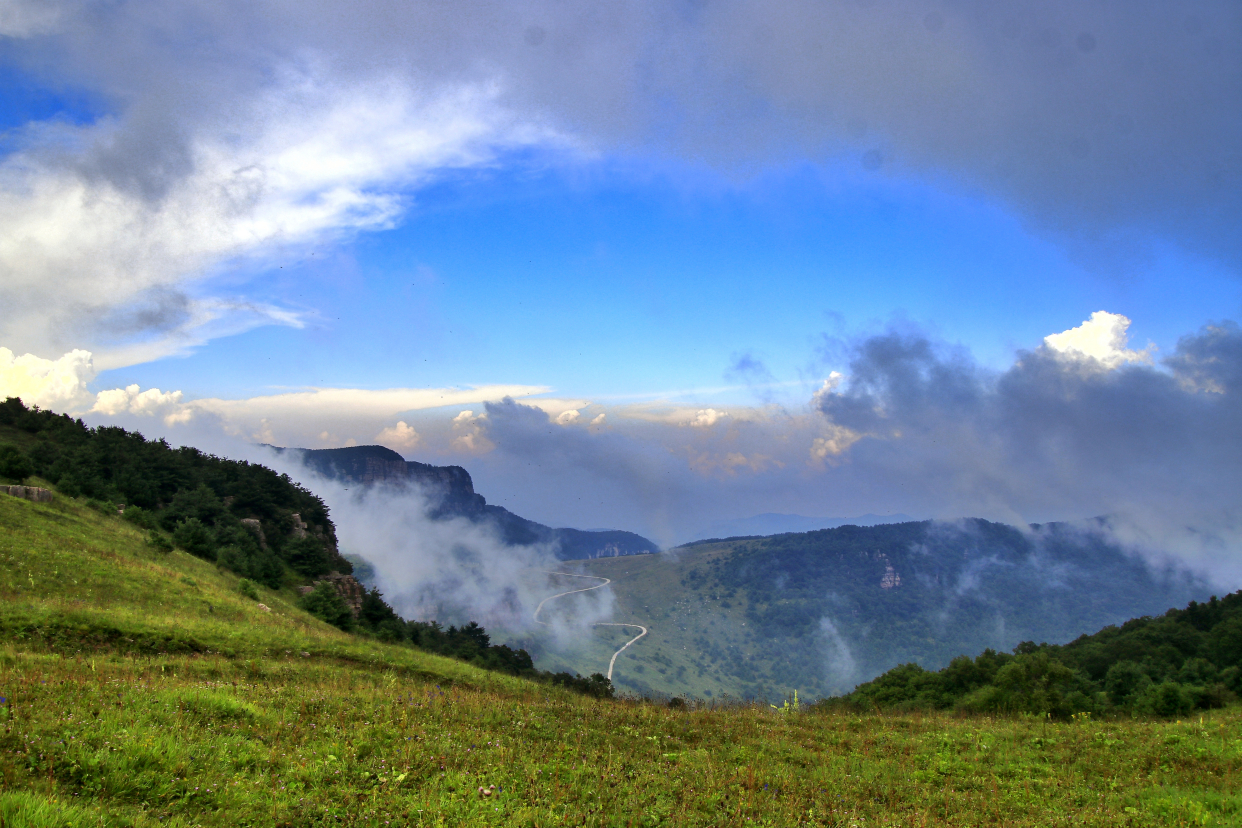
1185, 660
822, 611
142, 686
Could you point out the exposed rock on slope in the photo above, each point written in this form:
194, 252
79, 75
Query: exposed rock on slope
450, 493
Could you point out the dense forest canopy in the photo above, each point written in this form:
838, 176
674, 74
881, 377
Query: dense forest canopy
243, 516
1166, 666
200, 499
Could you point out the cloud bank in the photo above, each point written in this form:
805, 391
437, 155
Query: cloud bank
149, 218
1081, 426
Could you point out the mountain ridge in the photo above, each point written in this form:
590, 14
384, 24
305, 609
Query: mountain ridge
450, 492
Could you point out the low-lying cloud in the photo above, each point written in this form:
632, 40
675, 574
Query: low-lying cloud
1082, 425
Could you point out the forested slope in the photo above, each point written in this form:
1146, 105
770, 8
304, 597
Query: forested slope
1167, 665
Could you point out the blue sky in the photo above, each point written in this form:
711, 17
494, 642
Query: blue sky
616, 283
692, 242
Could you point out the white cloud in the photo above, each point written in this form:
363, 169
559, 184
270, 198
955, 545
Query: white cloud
401, 436
204, 320
830, 386
152, 402
57, 384
707, 417
25, 19
836, 442
569, 416
314, 160
1102, 338
599, 420
346, 414
468, 433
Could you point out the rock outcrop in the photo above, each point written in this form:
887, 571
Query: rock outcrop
31, 493
346, 586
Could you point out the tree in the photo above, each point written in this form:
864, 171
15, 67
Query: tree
326, 604
14, 465
195, 538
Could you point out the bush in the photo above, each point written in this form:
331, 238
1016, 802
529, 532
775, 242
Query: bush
159, 542
1125, 680
195, 538
308, 556
246, 587
14, 465
1167, 699
140, 517
326, 604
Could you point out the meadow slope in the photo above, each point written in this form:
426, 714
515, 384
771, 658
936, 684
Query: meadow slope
141, 688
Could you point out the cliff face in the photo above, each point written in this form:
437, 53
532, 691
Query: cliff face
449, 487
451, 493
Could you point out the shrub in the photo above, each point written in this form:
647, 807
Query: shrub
195, 538
1167, 699
159, 542
308, 556
140, 517
14, 465
246, 587
326, 604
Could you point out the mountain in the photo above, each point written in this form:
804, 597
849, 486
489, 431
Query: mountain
450, 492
1170, 665
773, 523
152, 688
822, 611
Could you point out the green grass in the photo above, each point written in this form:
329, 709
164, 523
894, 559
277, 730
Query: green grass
134, 697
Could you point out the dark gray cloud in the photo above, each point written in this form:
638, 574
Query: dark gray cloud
1104, 122
1156, 449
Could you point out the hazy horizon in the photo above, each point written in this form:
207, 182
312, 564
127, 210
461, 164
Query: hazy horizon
654, 266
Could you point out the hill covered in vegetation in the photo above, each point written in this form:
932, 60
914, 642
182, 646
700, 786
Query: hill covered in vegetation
1169, 665
239, 516
252, 520
822, 611
141, 687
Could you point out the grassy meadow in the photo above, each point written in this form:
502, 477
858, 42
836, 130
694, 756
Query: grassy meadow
142, 688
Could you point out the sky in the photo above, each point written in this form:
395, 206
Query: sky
650, 265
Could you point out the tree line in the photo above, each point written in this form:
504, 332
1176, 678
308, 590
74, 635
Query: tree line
244, 517
1168, 665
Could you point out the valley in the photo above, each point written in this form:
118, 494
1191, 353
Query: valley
820, 612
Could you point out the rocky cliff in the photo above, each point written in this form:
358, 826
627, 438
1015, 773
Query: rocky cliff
450, 492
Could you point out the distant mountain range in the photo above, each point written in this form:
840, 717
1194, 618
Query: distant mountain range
774, 523
450, 492
822, 611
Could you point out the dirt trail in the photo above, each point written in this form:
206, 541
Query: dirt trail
606, 582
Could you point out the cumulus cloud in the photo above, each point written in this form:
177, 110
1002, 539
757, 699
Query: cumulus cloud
1153, 447
152, 402
468, 434
292, 417
707, 417
1102, 338
58, 384
402, 437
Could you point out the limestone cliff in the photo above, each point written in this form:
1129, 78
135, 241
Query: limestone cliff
450, 493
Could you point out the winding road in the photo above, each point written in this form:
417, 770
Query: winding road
606, 582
